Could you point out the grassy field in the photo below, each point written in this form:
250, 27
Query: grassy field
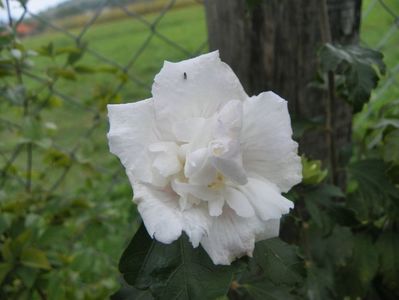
118, 41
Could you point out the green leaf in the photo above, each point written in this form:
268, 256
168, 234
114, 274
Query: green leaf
273, 272
325, 210
175, 271
365, 260
319, 283
47, 50
335, 248
391, 147
66, 73
27, 275
83, 69
5, 221
375, 193
75, 56
360, 67
312, 172
57, 158
34, 258
388, 249
5, 268
278, 260
265, 290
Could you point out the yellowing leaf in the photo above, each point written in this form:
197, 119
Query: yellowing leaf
34, 258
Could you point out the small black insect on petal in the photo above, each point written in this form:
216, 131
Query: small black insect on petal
185, 76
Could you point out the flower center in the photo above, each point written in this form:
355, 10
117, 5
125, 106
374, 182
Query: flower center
218, 183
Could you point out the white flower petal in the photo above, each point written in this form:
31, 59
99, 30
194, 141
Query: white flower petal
267, 147
266, 199
195, 161
167, 164
268, 230
159, 211
226, 157
201, 192
231, 236
131, 131
196, 223
216, 207
186, 130
229, 121
207, 85
238, 202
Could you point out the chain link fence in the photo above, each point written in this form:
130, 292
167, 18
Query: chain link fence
134, 78
120, 77
381, 32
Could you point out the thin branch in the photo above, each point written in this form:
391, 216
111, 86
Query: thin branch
330, 100
3, 174
10, 21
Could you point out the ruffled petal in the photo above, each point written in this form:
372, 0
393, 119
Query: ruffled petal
159, 211
132, 129
238, 202
196, 223
266, 199
216, 207
267, 147
166, 160
193, 88
231, 236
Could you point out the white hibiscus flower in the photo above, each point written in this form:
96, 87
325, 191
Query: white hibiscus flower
205, 159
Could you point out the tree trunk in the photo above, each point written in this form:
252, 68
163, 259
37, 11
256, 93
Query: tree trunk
274, 47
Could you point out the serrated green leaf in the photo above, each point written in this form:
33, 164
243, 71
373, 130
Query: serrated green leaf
374, 193
360, 68
278, 260
334, 248
175, 271
325, 210
34, 258
273, 272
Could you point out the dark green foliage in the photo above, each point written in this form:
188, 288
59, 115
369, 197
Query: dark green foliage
359, 70
374, 194
175, 271
251, 4
274, 272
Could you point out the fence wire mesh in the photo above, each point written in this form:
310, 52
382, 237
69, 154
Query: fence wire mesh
380, 31
147, 36
120, 78
148, 39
